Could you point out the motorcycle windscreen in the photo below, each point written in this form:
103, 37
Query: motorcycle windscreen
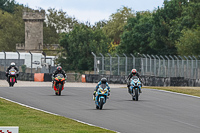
59, 75
103, 86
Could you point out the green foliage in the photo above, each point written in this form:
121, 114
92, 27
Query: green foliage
135, 38
11, 29
23, 68
163, 36
114, 27
189, 43
78, 45
8, 5
60, 20
35, 121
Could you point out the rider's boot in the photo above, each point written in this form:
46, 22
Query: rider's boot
129, 91
94, 94
140, 90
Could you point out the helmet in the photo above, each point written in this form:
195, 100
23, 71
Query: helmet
103, 80
134, 71
59, 68
12, 64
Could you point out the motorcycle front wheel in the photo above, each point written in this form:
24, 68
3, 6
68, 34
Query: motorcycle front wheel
60, 89
101, 103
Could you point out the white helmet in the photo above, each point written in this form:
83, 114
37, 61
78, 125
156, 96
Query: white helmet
12, 64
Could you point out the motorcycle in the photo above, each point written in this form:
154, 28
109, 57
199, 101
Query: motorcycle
101, 96
135, 85
59, 82
12, 75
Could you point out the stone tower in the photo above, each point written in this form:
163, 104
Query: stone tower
34, 30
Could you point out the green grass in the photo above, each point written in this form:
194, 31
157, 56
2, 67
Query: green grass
195, 91
34, 121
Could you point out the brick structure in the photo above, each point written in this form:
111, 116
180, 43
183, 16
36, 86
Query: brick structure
33, 31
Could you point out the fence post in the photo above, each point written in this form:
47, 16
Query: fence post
146, 61
158, 65
18, 58
110, 64
186, 66
126, 64
196, 67
191, 76
150, 64
4, 60
154, 64
102, 62
182, 66
177, 65
31, 61
133, 60
172, 64
118, 63
95, 63
168, 71
164, 65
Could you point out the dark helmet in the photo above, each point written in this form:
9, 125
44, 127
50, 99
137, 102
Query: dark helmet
134, 71
59, 68
12, 64
103, 80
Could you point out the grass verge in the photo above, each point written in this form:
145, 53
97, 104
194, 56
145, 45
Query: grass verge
34, 121
195, 91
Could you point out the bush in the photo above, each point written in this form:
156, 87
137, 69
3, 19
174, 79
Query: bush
23, 68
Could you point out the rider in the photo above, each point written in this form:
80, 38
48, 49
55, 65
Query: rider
12, 65
103, 81
58, 71
133, 73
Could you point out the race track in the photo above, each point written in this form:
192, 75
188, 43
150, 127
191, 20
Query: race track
155, 112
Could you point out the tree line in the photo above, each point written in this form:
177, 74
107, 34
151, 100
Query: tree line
173, 29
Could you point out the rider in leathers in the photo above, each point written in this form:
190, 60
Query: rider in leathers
12, 65
133, 73
103, 81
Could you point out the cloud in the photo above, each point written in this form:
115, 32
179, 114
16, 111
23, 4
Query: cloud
91, 16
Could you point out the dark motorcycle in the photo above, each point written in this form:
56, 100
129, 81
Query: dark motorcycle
12, 75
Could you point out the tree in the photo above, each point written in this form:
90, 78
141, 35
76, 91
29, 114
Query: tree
60, 20
189, 42
135, 38
11, 29
116, 23
8, 5
163, 35
78, 45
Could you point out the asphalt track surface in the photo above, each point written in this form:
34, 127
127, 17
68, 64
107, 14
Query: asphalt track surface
155, 112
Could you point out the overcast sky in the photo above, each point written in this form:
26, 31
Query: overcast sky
92, 10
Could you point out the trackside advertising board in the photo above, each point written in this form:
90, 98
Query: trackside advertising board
9, 129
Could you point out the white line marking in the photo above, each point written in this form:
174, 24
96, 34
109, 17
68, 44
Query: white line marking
177, 93
55, 114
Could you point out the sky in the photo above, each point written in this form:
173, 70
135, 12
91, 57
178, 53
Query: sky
92, 10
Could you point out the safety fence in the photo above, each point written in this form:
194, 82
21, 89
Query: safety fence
149, 65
